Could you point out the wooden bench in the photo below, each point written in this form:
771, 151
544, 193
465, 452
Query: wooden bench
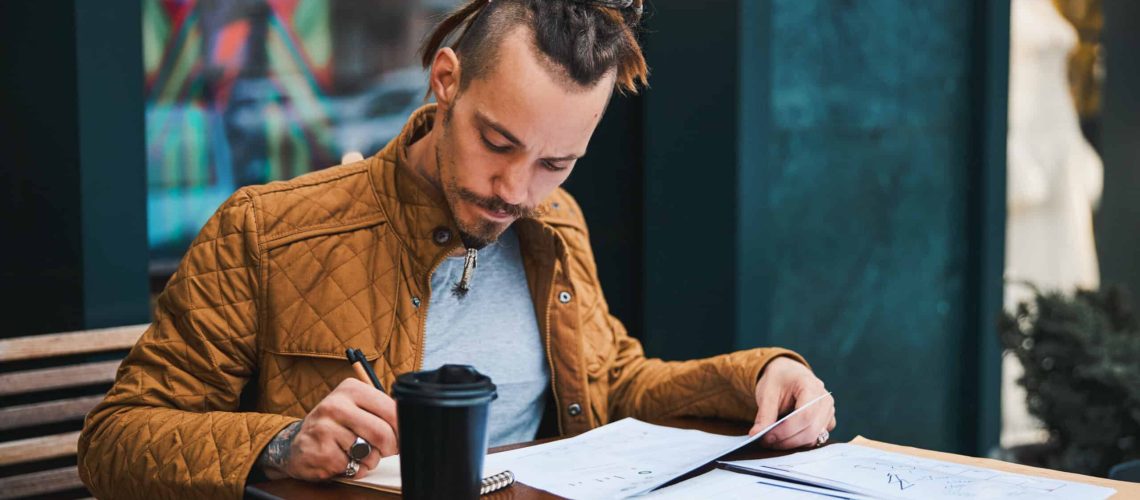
31, 382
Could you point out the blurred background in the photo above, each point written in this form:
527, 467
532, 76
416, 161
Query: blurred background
910, 194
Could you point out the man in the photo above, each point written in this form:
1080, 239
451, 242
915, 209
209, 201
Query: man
242, 373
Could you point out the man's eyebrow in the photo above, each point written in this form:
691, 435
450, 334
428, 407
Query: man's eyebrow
498, 128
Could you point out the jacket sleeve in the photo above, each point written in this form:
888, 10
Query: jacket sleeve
722, 386
169, 426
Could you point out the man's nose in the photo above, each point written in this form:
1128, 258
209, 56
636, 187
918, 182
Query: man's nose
513, 182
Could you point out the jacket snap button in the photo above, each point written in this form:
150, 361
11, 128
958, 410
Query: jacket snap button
415, 301
574, 409
564, 297
441, 235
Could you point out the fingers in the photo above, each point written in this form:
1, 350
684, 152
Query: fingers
796, 423
367, 412
797, 430
372, 414
372, 428
817, 419
344, 436
377, 403
330, 430
768, 410
806, 436
791, 427
321, 449
370, 462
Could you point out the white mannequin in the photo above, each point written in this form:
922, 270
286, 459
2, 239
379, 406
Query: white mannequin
1054, 183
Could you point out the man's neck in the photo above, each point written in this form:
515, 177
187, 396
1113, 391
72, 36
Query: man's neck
422, 160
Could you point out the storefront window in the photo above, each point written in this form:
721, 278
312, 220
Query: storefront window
251, 91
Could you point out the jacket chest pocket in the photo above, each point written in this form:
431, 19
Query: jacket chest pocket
294, 381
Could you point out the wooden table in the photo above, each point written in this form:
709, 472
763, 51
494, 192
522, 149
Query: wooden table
291, 488
288, 488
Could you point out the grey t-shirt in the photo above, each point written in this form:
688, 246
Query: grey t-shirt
494, 329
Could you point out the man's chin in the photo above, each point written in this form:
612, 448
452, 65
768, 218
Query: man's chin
477, 228
476, 242
481, 234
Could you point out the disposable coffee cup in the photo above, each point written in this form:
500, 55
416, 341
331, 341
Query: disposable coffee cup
443, 431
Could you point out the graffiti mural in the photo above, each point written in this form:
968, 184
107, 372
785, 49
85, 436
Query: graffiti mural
245, 92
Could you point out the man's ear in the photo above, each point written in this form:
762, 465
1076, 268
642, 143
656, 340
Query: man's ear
444, 78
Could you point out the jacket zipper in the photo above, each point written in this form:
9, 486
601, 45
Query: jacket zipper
424, 303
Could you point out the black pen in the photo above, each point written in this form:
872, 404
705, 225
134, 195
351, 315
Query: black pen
356, 356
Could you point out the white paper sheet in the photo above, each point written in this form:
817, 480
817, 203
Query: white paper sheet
625, 458
616, 460
725, 485
883, 474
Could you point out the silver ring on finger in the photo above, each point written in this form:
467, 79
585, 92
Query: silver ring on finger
360, 449
822, 438
353, 467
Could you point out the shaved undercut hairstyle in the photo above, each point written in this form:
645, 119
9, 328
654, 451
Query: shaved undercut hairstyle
583, 39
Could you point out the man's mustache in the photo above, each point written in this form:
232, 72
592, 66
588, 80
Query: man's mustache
496, 204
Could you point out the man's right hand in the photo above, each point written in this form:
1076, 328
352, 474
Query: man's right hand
316, 448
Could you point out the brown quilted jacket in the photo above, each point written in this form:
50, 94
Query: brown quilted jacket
250, 333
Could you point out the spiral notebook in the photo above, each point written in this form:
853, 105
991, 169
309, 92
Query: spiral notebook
386, 477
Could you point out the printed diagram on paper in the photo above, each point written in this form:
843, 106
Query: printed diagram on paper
869, 471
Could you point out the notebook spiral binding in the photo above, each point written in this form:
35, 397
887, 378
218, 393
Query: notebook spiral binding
497, 482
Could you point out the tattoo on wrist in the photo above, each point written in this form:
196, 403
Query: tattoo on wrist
276, 453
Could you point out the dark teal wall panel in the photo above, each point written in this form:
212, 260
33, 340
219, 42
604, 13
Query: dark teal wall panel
845, 185
754, 248
869, 274
869, 144
112, 151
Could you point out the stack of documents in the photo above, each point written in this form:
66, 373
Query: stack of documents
631, 458
623, 459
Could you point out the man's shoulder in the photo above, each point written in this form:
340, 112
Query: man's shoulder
325, 200
561, 210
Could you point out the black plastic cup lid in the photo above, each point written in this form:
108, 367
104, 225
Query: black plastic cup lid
450, 385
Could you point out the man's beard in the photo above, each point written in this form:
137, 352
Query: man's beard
483, 232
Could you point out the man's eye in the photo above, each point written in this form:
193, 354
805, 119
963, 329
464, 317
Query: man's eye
493, 147
551, 166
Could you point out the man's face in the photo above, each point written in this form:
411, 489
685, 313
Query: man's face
511, 138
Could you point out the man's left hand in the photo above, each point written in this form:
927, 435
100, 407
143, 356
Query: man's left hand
784, 385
